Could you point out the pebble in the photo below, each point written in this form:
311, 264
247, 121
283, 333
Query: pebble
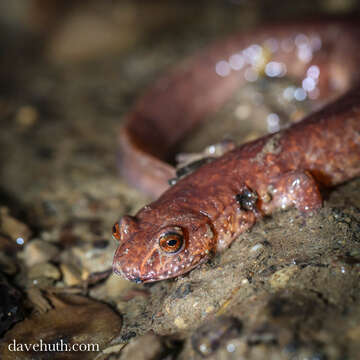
12, 227
180, 323
26, 116
113, 288
210, 309
280, 278
38, 251
71, 274
44, 270
91, 258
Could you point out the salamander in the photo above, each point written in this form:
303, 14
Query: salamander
206, 210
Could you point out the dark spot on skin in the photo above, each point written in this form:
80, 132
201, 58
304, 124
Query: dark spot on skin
247, 200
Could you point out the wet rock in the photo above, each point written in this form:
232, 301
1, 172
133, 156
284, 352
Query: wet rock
37, 299
15, 229
73, 320
43, 274
114, 288
281, 277
91, 259
38, 251
11, 310
71, 274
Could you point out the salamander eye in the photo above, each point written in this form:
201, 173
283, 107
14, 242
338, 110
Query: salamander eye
116, 232
172, 241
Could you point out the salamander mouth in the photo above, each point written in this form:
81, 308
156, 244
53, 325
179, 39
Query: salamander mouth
182, 270
139, 274
117, 270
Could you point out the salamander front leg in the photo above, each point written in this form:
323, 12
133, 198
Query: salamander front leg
295, 188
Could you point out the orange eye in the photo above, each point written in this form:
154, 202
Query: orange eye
172, 241
116, 232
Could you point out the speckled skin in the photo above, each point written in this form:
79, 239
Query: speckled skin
280, 170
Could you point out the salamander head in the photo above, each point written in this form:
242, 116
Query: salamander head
159, 245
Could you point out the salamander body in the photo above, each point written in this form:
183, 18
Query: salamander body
206, 210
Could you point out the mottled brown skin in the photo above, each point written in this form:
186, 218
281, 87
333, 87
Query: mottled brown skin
209, 208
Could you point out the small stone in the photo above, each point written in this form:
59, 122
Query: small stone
90, 258
46, 270
281, 277
210, 309
256, 247
113, 288
71, 274
38, 251
13, 228
180, 323
26, 116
